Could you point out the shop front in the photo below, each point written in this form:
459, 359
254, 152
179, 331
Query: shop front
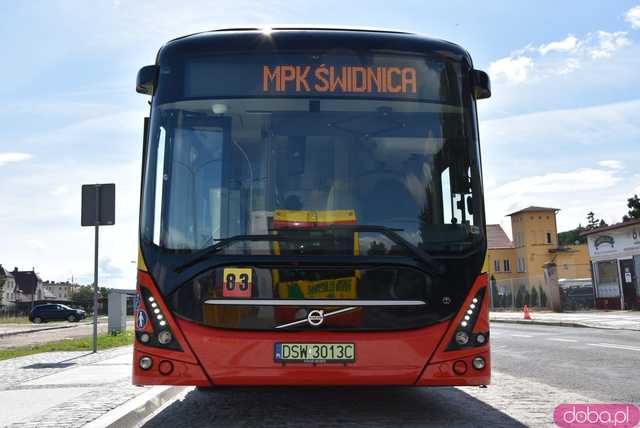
615, 262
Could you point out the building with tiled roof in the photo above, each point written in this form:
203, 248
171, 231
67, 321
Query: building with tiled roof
7, 288
28, 285
497, 238
533, 208
518, 263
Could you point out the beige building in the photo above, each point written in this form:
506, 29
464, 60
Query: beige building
59, 291
518, 264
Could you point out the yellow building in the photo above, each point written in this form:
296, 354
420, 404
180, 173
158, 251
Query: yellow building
519, 263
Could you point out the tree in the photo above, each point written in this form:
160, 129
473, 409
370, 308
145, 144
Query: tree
85, 294
634, 208
534, 297
572, 236
593, 222
543, 298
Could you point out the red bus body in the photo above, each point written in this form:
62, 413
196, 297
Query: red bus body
223, 357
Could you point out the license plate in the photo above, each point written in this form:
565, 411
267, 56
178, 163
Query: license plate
315, 353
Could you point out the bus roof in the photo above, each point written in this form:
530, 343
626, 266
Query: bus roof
300, 38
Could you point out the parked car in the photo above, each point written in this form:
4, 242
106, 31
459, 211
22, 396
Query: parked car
55, 312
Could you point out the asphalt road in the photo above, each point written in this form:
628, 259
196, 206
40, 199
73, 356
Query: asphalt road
603, 364
535, 368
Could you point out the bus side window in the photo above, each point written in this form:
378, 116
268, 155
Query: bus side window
452, 203
447, 206
160, 178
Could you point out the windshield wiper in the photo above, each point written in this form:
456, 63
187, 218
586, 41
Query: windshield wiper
393, 235
222, 243
390, 233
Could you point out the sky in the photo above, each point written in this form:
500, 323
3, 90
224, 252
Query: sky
562, 128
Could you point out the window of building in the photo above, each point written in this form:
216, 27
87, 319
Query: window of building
496, 265
521, 265
548, 238
507, 266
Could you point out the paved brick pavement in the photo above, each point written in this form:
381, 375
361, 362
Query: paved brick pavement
66, 389
508, 402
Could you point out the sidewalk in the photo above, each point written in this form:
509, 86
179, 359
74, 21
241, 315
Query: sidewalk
67, 389
615, 320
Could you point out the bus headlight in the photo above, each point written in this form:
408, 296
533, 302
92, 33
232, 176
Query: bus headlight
478, 363
145, 337
145, 363
164, 337
481, 339
462, 338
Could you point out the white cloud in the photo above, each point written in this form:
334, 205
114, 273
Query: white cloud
571, 65
566, 45
574, 192
560, 57
7, 157
556, 182
597, 126
608, 43
60, 190
613, 164
513, 70
572, 159
633, 17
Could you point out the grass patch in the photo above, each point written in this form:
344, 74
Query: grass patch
15, 320
105, 341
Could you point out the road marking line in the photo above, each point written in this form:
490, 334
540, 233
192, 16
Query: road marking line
562, 340
614, 346
521, 335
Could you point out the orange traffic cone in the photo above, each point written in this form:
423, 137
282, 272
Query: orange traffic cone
526, 312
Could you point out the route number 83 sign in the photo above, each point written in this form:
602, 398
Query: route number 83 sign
237, 282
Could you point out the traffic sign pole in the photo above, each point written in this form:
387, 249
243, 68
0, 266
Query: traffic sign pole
98, 209
95, 275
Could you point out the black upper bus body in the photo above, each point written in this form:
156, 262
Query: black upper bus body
229, 65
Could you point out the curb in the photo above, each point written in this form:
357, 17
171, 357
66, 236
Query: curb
561, 324
138, 409
35, 330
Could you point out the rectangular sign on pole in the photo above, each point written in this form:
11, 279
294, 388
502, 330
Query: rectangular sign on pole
98, 209
98, 204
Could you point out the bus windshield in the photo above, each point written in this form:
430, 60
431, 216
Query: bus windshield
291, 162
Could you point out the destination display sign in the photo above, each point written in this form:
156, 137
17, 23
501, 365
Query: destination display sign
344, 79
307, 75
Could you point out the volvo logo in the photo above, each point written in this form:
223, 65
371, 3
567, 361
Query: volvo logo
315, 317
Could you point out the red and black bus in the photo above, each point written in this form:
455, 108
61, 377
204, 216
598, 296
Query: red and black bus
311, 212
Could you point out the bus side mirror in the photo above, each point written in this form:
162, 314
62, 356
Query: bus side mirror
147, 79
481, 84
